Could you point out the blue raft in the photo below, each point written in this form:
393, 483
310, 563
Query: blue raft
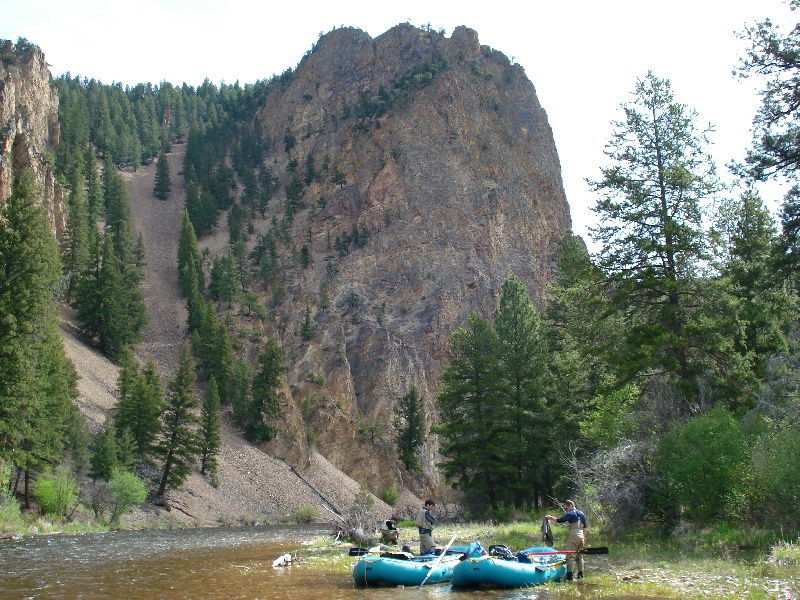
499, 572
400, 568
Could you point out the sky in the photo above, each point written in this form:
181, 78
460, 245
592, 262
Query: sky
583, 56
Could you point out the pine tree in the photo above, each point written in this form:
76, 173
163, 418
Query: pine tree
254, 415
75, 254
31, 355
105, 457
409, 426
307, 329
471, 419
523, 358
210, 431
178, 444
241, 390
140, 404
651, 232
102, 303
224, 284
189, 250
94, 189
163, 184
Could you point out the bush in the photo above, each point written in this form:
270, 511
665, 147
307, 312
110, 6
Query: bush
126, 491
307, 514
57, 493
702, 465
390, 495
774, 477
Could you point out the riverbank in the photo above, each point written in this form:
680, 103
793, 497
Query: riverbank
704, 564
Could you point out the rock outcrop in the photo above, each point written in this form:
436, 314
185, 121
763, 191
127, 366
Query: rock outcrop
450, 165
29, 125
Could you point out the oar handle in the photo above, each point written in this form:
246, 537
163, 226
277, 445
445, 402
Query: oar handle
437, 561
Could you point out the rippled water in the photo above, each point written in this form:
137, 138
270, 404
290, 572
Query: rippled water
234, 563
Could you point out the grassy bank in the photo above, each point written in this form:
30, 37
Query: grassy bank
715, 564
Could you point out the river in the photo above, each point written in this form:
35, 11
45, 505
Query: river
226, 562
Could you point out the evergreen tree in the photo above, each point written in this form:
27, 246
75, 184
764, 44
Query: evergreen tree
223, 284
75, 253
105, 457
409, 426
241, 390
585, 332
178, 444
307, 329
37, 381
215, 353
195, 303
119, 216
110, 310
471, 415
210, 431
163, 184
94, 189
189, 249
651, 231
140, 404
255, 416
523, 358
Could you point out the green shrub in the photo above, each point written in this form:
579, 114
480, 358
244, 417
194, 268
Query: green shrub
57, 493
390, 495
775, 478
702, 464
126, 491
307, 514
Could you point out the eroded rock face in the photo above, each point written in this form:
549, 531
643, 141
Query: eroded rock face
459, 187
29, 125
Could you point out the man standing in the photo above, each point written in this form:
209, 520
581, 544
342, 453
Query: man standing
425, 522
576, 521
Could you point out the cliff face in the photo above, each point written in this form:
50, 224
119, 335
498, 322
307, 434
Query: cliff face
29, 125
458, 185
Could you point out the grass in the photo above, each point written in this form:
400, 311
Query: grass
721, 563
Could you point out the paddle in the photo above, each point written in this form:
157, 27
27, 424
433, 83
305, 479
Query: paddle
438, 560
362, 551
598, 550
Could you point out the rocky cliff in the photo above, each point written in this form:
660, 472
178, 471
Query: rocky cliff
449, 163
29, 124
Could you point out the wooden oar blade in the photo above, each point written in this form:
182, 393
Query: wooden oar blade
598, 550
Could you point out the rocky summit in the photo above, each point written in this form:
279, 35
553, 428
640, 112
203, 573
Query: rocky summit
450, 164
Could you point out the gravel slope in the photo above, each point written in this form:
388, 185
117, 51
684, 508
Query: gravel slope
253, 486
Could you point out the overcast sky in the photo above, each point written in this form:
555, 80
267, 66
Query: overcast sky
582, 56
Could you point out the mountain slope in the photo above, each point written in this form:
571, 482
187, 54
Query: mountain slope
252, 483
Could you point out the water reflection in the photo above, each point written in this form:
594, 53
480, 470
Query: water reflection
231, 563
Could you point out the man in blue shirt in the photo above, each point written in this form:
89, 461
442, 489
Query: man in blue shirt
576, 521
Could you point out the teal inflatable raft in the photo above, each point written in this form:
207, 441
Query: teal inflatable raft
403, 569
500, 572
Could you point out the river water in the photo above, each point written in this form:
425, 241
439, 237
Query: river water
226, 562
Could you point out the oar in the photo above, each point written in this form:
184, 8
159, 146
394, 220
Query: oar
598, 550
362, 551
438, 560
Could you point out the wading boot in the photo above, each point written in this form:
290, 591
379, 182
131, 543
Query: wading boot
580, 574
569, 576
